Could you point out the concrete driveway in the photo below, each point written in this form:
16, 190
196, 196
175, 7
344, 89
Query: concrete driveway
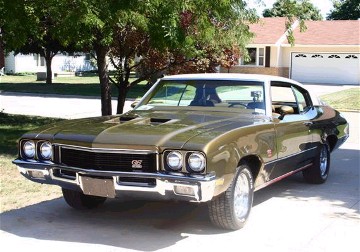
287, 216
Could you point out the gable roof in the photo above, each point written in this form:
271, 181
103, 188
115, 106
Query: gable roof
324, 32
329, 32
268, 30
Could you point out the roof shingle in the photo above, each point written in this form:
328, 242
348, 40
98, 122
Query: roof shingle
325, 32
329, 32
268, 30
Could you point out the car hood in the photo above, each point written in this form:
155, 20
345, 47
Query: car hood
143, 129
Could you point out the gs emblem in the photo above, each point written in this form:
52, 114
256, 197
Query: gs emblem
136, 164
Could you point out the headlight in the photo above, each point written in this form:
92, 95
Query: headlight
46, 150
174, 160
29, 149
196, 162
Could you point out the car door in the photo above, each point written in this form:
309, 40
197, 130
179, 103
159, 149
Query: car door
293, 130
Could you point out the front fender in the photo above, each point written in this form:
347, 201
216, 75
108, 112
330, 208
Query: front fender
224, 150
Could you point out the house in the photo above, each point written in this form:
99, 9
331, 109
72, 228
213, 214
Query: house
33, 63
2, 59
327, 52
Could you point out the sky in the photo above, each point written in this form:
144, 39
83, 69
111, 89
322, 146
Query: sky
323, 5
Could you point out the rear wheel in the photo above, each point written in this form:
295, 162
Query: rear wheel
231, 209
79, 200
319, 171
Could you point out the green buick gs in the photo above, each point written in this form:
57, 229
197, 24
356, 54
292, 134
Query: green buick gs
213, 138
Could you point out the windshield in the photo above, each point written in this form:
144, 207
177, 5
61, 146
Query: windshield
217, 95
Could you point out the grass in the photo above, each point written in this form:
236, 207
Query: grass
88, 85
85, 85
16, 191
348, 99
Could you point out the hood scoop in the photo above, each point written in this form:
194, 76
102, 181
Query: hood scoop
156, 121
141, 120
122, 119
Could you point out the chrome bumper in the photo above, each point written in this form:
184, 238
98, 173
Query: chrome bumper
197, 188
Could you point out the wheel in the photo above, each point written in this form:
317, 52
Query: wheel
78, 200
231, 209
319, 171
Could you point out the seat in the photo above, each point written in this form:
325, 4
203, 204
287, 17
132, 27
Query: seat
286, 110
205, 103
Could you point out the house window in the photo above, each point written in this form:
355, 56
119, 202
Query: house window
261, 56
40, 61
256, 57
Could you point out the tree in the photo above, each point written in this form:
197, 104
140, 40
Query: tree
345, 10
123, 30
175, 32
88, 24
293, 10
192, 38
29, 27
302, 9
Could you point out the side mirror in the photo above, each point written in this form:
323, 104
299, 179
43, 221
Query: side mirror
285, 110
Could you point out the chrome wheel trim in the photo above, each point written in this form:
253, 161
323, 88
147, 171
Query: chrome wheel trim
323, 161
241, 196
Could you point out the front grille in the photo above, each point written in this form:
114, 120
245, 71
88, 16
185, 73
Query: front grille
104, 161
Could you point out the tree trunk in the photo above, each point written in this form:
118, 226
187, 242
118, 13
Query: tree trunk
121, 98
101, 52
48, 60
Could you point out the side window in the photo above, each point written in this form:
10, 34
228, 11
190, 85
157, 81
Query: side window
301, 101
286, 94
282, 95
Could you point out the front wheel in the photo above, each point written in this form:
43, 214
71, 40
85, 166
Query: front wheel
78, 200
319, 171
231, 209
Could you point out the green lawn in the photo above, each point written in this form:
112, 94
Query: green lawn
87, 85
348, 99
15, 190
13, 126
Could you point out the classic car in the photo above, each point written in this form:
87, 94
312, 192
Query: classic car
213, 138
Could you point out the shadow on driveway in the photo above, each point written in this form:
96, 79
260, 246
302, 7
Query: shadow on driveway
151, 226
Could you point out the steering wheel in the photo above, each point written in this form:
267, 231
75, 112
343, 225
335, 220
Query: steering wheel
237, 103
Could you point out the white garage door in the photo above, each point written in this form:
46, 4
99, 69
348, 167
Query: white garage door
329, 68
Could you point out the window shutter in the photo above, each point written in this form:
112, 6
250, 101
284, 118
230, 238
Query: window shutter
267, 56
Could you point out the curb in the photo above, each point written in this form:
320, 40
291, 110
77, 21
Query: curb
7, 93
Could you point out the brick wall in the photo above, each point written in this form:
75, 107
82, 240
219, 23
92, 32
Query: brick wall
277, 71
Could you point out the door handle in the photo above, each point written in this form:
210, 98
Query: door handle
308, 123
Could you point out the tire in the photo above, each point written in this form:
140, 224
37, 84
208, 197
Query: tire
231, 209
80, 201
319, 171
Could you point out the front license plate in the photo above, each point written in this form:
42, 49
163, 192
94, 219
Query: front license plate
97, 187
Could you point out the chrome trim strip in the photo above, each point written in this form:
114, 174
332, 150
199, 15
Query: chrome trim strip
106, 150
281, 177
289, 156
203, 185
157, 175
